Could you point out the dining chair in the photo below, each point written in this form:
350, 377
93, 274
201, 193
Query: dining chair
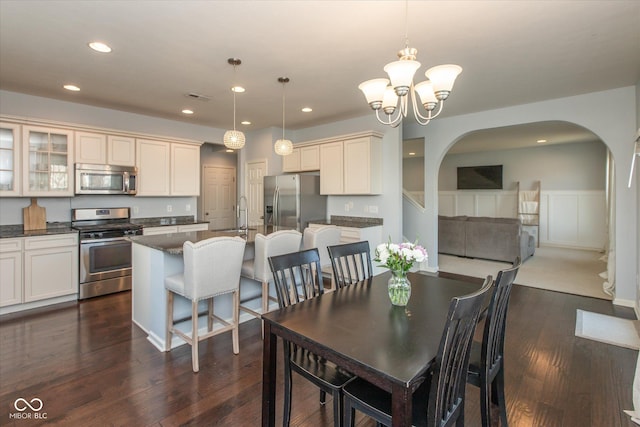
211, 268
257, 269
321, 238
486, 362
439, 400
351, 263
298, 277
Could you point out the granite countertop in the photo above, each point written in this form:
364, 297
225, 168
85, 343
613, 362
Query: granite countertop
11, 231
350, 221
172, 242
164, 221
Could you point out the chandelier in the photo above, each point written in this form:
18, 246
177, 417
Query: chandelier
283, 146
234, 139
391, 95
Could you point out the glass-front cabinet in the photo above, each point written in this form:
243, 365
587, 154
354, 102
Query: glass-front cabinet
47, 161
9, 159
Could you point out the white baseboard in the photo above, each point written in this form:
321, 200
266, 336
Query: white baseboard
624, 303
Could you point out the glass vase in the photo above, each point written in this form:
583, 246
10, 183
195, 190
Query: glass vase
399, 288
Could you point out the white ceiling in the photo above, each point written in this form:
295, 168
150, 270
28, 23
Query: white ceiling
511, 52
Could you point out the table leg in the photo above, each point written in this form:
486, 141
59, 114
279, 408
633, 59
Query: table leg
269, 358
401, 406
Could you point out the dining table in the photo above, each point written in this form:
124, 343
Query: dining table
359, 330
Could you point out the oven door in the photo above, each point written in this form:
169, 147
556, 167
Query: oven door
104, 259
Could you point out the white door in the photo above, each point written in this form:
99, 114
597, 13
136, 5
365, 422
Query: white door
256, 171
219, 197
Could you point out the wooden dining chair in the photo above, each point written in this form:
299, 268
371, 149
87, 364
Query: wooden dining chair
351, 263
298, 277
439, 400
486, 362
211, 268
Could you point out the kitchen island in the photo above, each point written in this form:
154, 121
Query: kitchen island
158, 256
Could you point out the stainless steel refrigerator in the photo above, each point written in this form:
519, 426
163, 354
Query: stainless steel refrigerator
293, 201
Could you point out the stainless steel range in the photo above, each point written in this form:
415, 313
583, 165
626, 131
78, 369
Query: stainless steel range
105, 253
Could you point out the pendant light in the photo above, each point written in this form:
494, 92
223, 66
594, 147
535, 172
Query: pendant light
234, 139
283, 146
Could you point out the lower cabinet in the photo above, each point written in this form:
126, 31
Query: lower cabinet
10, 271
371, 234
165, 229
38, 268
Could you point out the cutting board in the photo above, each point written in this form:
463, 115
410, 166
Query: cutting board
34, 216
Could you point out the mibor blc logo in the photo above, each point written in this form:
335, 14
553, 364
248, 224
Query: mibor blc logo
28, 409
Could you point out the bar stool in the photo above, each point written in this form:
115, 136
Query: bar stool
321, 238
257, 269
211, 268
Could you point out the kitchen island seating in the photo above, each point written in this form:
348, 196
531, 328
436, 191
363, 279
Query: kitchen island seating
351, 263
439, 400
321, 238
486, 362
298, 277
257, 269
211, 268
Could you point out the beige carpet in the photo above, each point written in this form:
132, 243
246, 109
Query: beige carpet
571, 271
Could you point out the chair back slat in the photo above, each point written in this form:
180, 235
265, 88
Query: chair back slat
447, 390
297, 276
351, 263
494, 328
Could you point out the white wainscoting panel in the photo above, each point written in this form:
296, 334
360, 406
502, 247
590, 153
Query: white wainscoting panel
574, 219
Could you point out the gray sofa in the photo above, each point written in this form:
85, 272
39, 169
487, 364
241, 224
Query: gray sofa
498, 239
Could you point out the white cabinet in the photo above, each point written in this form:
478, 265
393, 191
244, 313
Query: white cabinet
352, 166
185, 170
10, 271
302, 159
166, 169
50, 266
153, 159
104, 149
193, 227
9, 159
37, 268
47, 161
331, 168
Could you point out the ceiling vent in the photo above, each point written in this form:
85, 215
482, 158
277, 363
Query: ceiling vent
197, 96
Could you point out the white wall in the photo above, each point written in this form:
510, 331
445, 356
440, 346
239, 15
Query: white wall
611, 115
577, 166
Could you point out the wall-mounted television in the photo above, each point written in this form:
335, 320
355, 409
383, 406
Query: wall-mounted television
480, 177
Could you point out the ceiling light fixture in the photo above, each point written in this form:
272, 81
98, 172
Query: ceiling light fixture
100, 47
234, 139
245, 122
391, 97
307, 109
186, 111
283, 146
541, 141
72, 88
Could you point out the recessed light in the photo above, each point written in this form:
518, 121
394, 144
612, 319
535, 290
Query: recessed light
412, 153
187, 111
72, 88
228, 150
541, 141
237, 89
100, 47
245, 122
307, 109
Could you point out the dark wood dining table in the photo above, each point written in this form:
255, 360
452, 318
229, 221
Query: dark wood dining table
358, 329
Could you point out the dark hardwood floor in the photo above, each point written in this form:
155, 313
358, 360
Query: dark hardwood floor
90, 366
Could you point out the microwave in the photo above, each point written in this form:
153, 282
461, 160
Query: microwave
105, 179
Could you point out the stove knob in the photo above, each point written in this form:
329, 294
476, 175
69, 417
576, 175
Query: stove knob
92, 235
100, 235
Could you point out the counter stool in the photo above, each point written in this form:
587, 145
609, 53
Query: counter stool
211, 268
257, 269
321, 238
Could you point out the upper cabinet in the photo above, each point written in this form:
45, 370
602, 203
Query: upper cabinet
351, 166
167, 169
302, 159
9, 159
47, 161
105, 149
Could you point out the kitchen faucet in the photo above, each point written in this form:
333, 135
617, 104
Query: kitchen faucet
246, 212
